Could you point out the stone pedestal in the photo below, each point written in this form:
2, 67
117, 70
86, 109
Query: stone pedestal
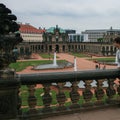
8, 95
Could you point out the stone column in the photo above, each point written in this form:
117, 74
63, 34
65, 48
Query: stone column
9, 88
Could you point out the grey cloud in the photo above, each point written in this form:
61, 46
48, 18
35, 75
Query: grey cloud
73, 13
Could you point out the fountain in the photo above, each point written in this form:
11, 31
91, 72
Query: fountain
75, 64
54, 60
55, 65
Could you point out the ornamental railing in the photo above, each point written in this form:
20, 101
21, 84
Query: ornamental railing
48, 94
35, 96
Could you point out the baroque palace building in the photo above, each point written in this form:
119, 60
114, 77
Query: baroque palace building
31, 39
61, 40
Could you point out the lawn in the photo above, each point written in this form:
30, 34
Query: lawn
21, 65
106, 59
80, 55
18, 66
48, 56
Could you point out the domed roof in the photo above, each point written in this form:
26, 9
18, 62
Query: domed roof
62, 30
51, 29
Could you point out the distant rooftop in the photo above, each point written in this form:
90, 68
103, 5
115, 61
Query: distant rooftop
101, 30
52, 29
27, 28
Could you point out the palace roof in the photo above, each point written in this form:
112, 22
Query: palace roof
52, 30
27, 28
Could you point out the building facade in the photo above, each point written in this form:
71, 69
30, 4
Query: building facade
30, 35
94, 35
105, 34
111, 34
76, 37
57, 39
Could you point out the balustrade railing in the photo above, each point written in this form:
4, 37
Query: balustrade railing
49, 94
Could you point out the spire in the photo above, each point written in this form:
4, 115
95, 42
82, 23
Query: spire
56, 26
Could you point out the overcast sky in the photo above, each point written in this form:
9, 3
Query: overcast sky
67, 14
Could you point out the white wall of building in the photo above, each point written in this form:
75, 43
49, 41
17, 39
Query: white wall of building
29, 37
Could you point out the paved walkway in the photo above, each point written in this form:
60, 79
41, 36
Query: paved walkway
82, 64
101, 114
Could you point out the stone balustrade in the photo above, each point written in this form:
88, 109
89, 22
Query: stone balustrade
67, 92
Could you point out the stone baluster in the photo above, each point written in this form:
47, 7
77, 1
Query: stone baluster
74, 95
99, 92
110, 91
61, 98
87, 94
118, 91
19, 102
32, 101
47, 98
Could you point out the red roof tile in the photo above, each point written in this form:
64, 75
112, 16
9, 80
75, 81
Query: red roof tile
27, 28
